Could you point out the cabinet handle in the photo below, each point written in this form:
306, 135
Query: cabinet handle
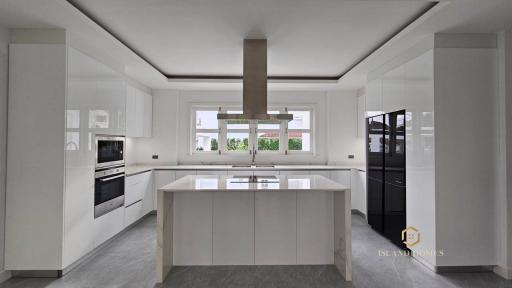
111, 178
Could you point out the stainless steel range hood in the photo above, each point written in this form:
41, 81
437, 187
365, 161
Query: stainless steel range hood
255, 85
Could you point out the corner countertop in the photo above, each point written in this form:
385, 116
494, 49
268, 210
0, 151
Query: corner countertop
226, 183
136, 169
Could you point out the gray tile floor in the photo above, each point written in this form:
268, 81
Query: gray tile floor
129, 262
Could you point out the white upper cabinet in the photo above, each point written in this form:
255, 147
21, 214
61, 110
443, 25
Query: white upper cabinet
393, 90
148, 115
361, 116
374, 98
139, 113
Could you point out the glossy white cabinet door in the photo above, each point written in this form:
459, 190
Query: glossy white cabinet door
374, 98
131, 112
133, 213
233, 228
362, 190
139, 188
315, 233
393, 90
361, 116
148, 115
162, 178
192, 231
275, 228
108, 225
139, 113
148, 197
134, 189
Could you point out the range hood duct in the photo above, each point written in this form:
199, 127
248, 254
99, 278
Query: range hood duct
255, 85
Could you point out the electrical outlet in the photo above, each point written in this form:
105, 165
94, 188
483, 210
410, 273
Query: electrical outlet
350, 156
155, 156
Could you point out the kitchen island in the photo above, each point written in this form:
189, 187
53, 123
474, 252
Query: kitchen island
253, 220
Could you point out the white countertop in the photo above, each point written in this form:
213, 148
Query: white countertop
224, 183
135, 169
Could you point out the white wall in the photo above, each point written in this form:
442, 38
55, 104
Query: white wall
4, 40
335, 127
342, 124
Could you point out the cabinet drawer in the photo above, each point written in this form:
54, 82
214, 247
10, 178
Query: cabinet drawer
135, 187
132, 213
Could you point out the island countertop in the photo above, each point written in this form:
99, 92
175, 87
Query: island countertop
225, 183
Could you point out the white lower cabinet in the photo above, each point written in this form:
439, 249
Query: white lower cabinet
162, 178
148, 199
133, 213
315, 234
233, 228
108, 225
139, 196
358, 188
275, 228
192, 231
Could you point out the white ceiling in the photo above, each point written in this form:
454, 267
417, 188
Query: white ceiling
316, 37
204, 37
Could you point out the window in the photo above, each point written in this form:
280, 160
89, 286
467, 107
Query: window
210, 135
269, 134
206, 127
299, 131
238, 134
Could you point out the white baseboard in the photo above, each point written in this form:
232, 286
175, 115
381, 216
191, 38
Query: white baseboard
504, 272
4, 275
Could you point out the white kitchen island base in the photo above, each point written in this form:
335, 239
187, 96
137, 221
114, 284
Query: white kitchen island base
225, 220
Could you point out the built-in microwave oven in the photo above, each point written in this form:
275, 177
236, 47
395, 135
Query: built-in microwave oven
109, 151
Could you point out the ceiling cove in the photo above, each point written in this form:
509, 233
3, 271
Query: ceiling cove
214, 77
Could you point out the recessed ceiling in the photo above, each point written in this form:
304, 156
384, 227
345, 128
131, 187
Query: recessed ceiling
306, 38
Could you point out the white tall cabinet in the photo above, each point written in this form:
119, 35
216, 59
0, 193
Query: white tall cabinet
447, 85
59, 99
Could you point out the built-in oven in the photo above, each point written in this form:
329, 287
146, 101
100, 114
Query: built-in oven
108, 190
109, 151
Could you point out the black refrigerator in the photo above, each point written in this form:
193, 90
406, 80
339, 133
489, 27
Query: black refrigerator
386, 175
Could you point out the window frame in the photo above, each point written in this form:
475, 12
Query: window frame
311, 130
194, 130
222, 130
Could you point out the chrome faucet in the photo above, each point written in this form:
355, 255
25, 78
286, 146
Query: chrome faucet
253, 156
